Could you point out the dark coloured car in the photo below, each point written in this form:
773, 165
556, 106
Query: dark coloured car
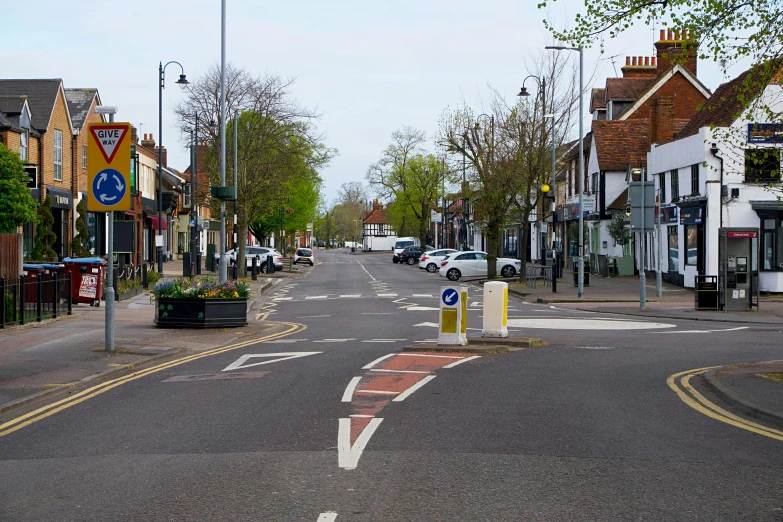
410, 255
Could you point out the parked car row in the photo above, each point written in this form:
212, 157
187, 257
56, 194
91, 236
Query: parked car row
259, 253
454, 264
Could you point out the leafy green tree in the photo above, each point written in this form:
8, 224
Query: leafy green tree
17, 206
44, 237
79, 244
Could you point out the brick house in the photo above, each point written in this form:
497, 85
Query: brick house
52, 160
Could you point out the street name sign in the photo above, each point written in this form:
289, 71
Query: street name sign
108, 167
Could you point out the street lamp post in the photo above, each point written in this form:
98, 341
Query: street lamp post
491, 149
524, 92
195, 243
182, 82
222, 268
581, 275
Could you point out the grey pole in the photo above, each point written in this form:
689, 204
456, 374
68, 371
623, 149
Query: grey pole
159, 249
643, 237
236, 193
555, 266
194, 175
581, 290
222, 269
109, 318
658, 282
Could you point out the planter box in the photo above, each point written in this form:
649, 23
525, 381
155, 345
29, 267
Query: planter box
200, 313
133, 292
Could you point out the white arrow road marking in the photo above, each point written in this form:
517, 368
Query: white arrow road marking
283, 356
427, 324
708, 331
348, 456
328, 516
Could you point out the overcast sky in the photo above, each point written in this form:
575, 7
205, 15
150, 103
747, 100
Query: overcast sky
368, 67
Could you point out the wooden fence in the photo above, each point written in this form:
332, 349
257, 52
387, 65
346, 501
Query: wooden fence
10, 255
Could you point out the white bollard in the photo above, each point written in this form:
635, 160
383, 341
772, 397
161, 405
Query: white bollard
495, 310
453, 326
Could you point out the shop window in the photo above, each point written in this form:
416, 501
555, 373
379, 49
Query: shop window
762, 165
58, 155
674, 252
691, 244
772, 244
675, 178
694, 180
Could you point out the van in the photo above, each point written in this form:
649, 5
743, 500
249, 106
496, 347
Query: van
400, 245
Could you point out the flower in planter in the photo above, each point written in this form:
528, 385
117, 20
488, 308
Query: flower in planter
203, 288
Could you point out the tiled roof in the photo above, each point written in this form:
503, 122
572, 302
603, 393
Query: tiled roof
12, 104
620, 203
573, 150
79, 102
726, 104
597, 99
41, 95
378, 217
621, 142
626, 88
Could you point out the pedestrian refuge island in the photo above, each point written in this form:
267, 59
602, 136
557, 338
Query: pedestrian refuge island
495, 309
453, 326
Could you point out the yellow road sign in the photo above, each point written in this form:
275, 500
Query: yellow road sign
108, 167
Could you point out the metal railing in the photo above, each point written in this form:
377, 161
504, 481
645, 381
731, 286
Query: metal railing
535, 272
34, 298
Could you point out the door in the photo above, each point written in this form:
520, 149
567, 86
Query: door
481, 264
466, 264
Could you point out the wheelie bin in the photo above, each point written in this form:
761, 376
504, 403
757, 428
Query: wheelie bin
87, 279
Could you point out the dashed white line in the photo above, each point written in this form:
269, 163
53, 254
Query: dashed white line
397, 371
387, 295
407, 393
377, 392
421, 295
351, 295
334, 340
312, 316
282, 298
317, 297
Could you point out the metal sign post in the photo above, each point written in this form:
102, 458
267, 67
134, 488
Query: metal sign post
108, 189
642, 220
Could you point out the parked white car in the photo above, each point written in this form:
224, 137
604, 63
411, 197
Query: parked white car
304, 255
260, 253
430, 261
474, 264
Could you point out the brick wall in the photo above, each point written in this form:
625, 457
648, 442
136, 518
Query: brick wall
687, 98
59, 121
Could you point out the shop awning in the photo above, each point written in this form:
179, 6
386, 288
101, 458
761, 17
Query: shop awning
154, 222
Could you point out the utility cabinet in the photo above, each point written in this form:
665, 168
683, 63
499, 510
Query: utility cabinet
738, 267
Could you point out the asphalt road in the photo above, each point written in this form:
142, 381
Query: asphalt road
584, 428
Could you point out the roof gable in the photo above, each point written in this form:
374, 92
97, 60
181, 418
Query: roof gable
621, 143
79, 102
377, 217
41, 96
657, 84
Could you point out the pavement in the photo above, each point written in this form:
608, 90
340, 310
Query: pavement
39, 361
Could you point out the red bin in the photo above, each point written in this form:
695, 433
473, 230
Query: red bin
87, 278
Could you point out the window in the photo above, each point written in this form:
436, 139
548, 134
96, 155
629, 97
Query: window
675, 185
691, 244
594, 183
662, 183
772, 243
694, 180
674, 252
762, 165
84, 156
58, 155
23, 146
187, 196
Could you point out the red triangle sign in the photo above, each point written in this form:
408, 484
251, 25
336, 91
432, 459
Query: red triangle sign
109, 138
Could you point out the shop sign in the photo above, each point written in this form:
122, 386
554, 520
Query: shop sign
765, 133
742, 234
691, 215
669, 214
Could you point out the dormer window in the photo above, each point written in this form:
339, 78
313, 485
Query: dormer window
23, 138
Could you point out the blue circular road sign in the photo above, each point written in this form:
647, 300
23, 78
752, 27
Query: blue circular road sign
450, 297
109, 187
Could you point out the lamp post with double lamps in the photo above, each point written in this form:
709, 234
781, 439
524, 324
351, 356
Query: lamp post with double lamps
182, 82
552, 190
581, 275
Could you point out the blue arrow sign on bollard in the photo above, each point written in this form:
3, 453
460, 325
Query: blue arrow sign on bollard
450, 297
109, 187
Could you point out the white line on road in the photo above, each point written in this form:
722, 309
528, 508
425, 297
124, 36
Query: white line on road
707, 331
348, 456
466, 359
378, 392
351, 295
428, 355
376, 361
407, 393
420, 308
379, 313
368, 273
427, 324
377, 341
348, 393
397, 371
361, 416
282, 298
312, 316
387, 295
421, 295
328, 516
240, 363
334, 340
285, 341
317, 297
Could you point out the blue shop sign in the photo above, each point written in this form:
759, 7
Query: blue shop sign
765, 133
669, 215
691, 215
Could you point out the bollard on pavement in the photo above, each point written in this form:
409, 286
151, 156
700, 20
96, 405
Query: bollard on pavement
495, 309
452, 329
270, 265
254, 269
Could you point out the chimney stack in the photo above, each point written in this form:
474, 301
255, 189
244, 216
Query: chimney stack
662, 119
148, 142
639, 67
164, 156
676, 47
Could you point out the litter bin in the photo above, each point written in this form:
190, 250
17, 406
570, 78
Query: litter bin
211, 249
87, 278
187, 266
586, 280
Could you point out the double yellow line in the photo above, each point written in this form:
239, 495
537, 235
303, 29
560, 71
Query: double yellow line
50, 409
698, 402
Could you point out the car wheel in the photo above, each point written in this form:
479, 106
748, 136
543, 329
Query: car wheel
453, 274
394, 260
508, 271
432, 268
411, 261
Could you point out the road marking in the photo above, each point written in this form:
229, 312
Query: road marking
422, 295
327, 516
708, 331
378, 392
312, 316
334, 340
282, 356
282, 298
365, 270
380, 313
428, 355
348, 456
397, 371
701, 404
407, 393
585, 324
348, 393
285, 341
421, 308
466, 359
55, 407
317, 297
427, 324
351, 295
378, 360
378, 341
387, 295
360, 416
